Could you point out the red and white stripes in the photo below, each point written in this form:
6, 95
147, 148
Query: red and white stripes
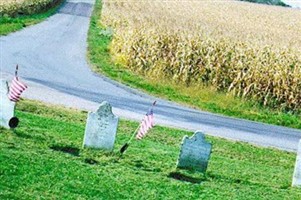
146, 124
16, 89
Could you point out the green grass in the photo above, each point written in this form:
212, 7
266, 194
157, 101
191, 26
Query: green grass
204, 98
33, 167
10, 24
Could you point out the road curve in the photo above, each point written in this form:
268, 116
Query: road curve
52, 59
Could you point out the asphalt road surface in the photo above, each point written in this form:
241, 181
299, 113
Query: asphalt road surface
52, 60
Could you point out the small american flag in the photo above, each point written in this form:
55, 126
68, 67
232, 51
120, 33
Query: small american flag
16, 88
146, 124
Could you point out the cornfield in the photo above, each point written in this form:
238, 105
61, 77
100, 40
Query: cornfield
249, 50
15, 8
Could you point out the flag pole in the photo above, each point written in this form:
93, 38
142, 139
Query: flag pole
126, 145
16, 72
132, 137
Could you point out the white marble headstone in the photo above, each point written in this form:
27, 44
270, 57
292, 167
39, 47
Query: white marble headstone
7, 107
195, 153
297, 172
101, 128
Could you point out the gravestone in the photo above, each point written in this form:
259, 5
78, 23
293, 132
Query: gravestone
7, 108
195, 153
297, 172
101, 128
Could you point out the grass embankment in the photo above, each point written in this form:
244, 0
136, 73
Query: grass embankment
44, 159
205, 98
11, 24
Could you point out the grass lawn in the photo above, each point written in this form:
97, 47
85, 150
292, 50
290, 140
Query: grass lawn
44, 159
9, 24
204, 98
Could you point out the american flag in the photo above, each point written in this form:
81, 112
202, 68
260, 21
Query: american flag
146, 124
16, 89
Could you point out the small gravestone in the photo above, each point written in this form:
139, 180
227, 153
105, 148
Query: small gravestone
7, 108
101, 128
297, 172
195, 153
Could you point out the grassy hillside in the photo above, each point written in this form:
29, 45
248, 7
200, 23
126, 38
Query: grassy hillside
44, 159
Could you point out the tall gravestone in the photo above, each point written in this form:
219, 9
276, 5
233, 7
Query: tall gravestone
195, 153
7, 108
297, 171
101, 128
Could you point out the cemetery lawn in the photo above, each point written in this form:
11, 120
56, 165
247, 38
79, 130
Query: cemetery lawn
205, 98
10, 24
44, 159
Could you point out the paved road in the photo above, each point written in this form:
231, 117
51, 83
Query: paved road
52, 59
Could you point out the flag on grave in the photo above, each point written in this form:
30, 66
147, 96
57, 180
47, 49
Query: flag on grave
146, 124
16, 88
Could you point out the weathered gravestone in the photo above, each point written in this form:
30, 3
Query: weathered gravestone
101, 128
297, 172
7, 108
195, 153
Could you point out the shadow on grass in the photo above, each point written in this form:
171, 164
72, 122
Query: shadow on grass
244, 182
91, 161
140, 165
23, 135
185, 178
66, 149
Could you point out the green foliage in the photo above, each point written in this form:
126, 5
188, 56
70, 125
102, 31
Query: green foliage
44, 159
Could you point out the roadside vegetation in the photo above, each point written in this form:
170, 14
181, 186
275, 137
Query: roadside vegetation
17, 14
44, 159
236, 70
207, 43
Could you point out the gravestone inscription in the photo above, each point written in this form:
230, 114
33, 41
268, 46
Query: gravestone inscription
195, 153
7, 107
297, 171
101, 128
